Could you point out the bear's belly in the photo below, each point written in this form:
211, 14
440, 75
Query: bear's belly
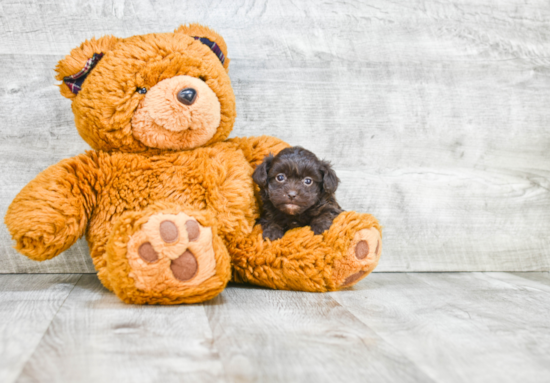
217, 179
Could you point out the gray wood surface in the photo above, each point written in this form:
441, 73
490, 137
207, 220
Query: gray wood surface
285, 336
543, 278
391, 327
435, 114
97, 338
464, 327
28, 304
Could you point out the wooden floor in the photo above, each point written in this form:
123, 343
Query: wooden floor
392, 327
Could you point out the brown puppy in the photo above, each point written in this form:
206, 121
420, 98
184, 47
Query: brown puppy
297, 189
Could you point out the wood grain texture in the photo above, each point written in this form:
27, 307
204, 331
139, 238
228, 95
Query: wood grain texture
434, 114
391, 327
36, 131
97, 338
284, 336
28, 304
543, 278
460, 327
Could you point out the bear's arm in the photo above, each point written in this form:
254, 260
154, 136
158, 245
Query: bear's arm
51, 212
256, 148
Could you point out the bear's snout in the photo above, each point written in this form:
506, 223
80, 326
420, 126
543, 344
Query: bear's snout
181, 112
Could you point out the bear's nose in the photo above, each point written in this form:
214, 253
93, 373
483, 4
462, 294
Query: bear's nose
187, 96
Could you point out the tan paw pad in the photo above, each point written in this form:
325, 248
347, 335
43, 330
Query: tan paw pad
360, 258
185, 266
171, 251
353, 278
147, 253
361, 249
193, 230
169, 231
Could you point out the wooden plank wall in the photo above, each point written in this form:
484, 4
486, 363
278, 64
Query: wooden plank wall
435, 114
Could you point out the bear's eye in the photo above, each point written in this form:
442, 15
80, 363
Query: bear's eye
280, 177
142, 90
308, 181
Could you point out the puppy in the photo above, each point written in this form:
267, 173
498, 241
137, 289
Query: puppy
297, 189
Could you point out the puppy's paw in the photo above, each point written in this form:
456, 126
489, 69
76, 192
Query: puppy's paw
320, 227
323, 222
272, 232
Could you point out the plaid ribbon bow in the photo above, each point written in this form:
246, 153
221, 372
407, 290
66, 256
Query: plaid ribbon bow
213, 46
74, 82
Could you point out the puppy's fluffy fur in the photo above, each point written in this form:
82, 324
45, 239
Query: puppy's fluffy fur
297, 189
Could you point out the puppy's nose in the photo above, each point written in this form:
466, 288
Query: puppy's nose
187, 96
292, 194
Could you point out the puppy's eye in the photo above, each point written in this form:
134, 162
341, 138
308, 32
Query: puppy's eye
142, 90
280, 177
308, 181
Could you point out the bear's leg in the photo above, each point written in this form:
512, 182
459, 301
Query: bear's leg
336, 259
167, 255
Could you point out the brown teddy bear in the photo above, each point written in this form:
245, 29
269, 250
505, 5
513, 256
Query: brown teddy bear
166, 201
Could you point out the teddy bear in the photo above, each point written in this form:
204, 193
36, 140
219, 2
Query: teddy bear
165, 199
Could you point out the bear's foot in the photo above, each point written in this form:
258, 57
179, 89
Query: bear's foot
359, 259
301, 260
171, 250
170, 258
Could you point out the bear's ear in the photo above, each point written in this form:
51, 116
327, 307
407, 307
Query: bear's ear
208, 37
74, 68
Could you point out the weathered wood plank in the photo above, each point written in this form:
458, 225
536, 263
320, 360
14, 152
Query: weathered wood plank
97, 338
459, 327
27, 306
37, 131
452, 327
434, 114
373, 30
543, 278
436, 218
524, 281
281, 336
449, 219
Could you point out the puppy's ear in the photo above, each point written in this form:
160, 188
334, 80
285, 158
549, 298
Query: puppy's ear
330, 179
260, 174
